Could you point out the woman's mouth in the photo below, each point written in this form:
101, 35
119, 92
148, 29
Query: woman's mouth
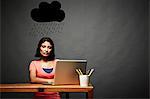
46, 53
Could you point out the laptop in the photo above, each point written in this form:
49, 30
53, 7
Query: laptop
65, 72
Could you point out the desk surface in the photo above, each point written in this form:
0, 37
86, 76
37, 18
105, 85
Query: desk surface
28, 87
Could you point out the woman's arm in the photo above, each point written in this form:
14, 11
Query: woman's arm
35, 79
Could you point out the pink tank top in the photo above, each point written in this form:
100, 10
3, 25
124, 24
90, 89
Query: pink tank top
35, 65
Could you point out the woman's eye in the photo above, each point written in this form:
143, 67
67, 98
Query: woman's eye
50, 47
43, 46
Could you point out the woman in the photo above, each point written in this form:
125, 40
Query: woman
43, 69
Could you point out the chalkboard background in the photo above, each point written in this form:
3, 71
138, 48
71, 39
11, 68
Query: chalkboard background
111, 34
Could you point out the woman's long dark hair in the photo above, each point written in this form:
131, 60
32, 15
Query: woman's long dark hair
52, 53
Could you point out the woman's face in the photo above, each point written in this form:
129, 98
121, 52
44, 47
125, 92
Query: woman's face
45, 49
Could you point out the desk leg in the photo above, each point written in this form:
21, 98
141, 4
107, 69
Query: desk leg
89, 94
67, 95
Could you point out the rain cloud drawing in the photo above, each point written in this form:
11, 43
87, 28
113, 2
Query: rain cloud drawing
48, 12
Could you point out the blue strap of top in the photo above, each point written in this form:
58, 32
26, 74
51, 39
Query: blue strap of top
48, 70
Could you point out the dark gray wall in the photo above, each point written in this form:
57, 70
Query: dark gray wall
149, 40
0, 40
111, 34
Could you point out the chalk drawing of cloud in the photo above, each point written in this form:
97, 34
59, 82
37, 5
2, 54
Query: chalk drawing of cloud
48, 12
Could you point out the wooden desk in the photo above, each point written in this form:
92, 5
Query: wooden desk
27, 87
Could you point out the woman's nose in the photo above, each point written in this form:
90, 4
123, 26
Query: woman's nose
46, 49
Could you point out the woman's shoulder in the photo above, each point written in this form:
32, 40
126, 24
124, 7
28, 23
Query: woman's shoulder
35, 61
56, 59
